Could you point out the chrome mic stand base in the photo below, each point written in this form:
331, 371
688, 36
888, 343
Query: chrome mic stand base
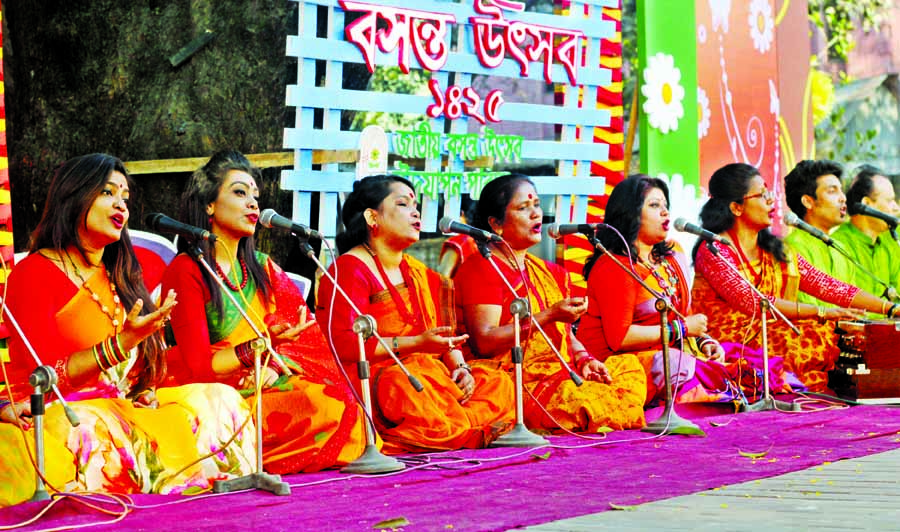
519, 436
770, 403
671, 423
260, 481
373, 461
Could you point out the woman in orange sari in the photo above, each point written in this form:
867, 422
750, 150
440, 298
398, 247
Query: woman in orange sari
741, 208
413, 306
310, 418
80, 299
613, 392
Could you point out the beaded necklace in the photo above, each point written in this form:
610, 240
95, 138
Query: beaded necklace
228, 282
114, 314
669, 286
409, 314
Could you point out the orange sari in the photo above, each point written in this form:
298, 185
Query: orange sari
432, 419
588, 407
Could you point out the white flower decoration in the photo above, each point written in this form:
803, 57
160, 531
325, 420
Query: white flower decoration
701, 33
663, 92
721, 9
703, 113
762, 25
684, 202
774, 101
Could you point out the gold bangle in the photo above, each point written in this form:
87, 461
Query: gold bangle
883, 309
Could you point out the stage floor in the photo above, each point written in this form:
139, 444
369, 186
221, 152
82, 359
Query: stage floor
856, 494
503, 489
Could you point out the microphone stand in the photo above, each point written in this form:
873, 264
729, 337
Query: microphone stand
767, 402
371, 460
889, 291
669, 421
259, 479
519, 308
43, 379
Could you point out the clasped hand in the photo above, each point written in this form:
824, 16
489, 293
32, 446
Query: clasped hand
284, 332
569, 309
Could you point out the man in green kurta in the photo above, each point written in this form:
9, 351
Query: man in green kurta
813, 192
867, 238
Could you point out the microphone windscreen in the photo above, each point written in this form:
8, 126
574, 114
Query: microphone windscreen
445, 223
855, 208
791, 219
553, 231
265, 218
680, 224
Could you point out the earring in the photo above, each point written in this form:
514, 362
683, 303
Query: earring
210, 220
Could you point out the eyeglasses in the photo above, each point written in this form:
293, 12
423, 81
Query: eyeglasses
765, 195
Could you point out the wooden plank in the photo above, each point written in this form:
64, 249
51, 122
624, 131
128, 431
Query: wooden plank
261, 160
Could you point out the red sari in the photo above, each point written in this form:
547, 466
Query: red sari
410, 421
311, 420
588, 407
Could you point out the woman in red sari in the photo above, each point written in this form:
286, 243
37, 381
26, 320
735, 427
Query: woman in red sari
80, 299
622, 317
413, 307
741, 208
311, 420
613, 392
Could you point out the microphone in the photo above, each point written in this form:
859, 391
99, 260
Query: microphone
792, 219
862, 208
686, 227
449, 225
557, 231
269, 218
163, 224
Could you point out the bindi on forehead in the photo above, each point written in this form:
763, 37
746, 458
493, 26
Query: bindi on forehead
530, 196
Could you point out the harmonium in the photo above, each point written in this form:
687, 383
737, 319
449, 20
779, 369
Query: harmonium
868, 368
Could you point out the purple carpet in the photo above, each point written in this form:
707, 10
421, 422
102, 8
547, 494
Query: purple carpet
479, 490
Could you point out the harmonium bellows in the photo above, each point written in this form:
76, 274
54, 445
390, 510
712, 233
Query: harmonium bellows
868, 368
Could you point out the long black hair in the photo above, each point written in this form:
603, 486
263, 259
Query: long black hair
623, 212
75, 186
204, 188
728, 185
368, 193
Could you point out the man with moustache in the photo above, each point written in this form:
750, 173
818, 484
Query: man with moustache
813, 191
866, 238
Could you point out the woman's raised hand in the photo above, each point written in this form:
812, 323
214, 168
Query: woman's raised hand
138, 327
569, 309
696, 324
437, 340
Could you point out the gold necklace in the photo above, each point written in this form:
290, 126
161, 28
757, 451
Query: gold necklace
113, 315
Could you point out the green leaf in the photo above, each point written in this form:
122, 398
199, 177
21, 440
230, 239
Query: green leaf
624, 508
395, 522
320, 436
194, 490
754, 455
544, 456
687, 431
